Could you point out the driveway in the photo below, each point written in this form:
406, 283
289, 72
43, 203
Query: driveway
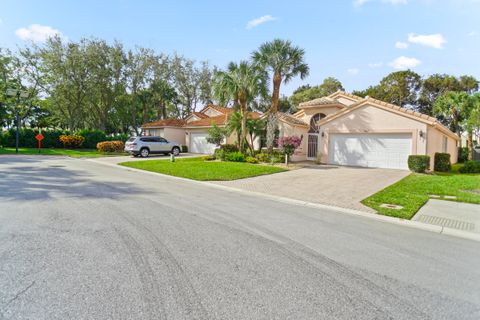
84, 241
331, 185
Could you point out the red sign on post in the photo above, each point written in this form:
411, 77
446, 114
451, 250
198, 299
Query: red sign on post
39, 138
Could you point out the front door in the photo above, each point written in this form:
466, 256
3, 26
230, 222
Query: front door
312, 146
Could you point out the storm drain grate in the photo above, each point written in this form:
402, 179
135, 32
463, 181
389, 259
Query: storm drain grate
448, 223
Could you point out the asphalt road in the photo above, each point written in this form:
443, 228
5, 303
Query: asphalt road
80, 240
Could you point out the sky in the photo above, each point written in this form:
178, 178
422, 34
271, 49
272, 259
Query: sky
356, 41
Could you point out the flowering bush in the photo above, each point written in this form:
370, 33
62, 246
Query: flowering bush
110, 146
289, 144
71, 141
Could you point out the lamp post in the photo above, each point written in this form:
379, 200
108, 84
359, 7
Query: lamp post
19, 94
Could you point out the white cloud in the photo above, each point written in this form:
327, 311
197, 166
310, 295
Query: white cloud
375, 64
401, 45
258, 21
431, 40
359, 3
396, 2
37, 33
353, 71
472, 34
405, 63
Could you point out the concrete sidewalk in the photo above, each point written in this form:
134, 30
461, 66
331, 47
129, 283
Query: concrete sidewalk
450, 214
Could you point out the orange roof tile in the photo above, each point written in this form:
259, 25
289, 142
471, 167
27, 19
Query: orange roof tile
165, 123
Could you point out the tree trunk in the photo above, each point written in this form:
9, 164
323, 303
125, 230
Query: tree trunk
243, 133
271, 127
470, 144
161, 112
455, 127
272, 117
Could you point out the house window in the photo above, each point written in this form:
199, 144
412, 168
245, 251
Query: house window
314, 123
445, 144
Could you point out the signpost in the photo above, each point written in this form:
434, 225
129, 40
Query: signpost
39, 138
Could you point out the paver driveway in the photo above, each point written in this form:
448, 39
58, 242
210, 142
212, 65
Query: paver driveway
331, 185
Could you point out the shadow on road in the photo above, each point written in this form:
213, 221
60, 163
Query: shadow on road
39, 178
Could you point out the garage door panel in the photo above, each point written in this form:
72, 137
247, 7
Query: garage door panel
371, 150
199, 144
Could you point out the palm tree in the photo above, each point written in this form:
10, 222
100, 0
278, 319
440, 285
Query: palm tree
284, 61
472, 120
242, 83
255, 129
452, 106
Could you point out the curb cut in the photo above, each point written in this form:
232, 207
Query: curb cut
398, 221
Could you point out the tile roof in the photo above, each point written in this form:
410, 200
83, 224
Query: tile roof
165, 123
206, 122
290, 119
345, 94
320, 102
218, 108
199, 115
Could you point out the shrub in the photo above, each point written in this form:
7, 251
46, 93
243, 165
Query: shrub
263, 157
208, 158
71, 141
220, 154
277, 157
251, 160
442, 162
92, 137
418, 163
184, 149
289, 144
470, 167
216, 135
462, 154
235, 156
111, 146
229, 148
118, 137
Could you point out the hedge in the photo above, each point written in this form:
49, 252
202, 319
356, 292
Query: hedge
418, 163
442, 162
52, 138
111, 146
71, 141
470, 167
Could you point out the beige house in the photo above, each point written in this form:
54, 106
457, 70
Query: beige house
344, 129
193, 131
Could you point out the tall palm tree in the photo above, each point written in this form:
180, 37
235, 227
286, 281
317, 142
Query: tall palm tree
472, 120
452, 106
284, 62
241, 83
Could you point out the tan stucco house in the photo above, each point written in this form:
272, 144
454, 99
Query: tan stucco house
345, 129
193, 131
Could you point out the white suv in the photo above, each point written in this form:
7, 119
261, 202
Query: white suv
144, 146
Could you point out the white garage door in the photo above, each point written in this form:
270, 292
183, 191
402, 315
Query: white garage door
388, 150
199, 144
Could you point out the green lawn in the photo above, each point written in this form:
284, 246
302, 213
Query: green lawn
413, 191
198, 169
75, 153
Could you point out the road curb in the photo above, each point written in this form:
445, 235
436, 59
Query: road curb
398, 221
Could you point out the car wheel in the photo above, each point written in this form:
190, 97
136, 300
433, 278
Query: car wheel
176, 151
144, 152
